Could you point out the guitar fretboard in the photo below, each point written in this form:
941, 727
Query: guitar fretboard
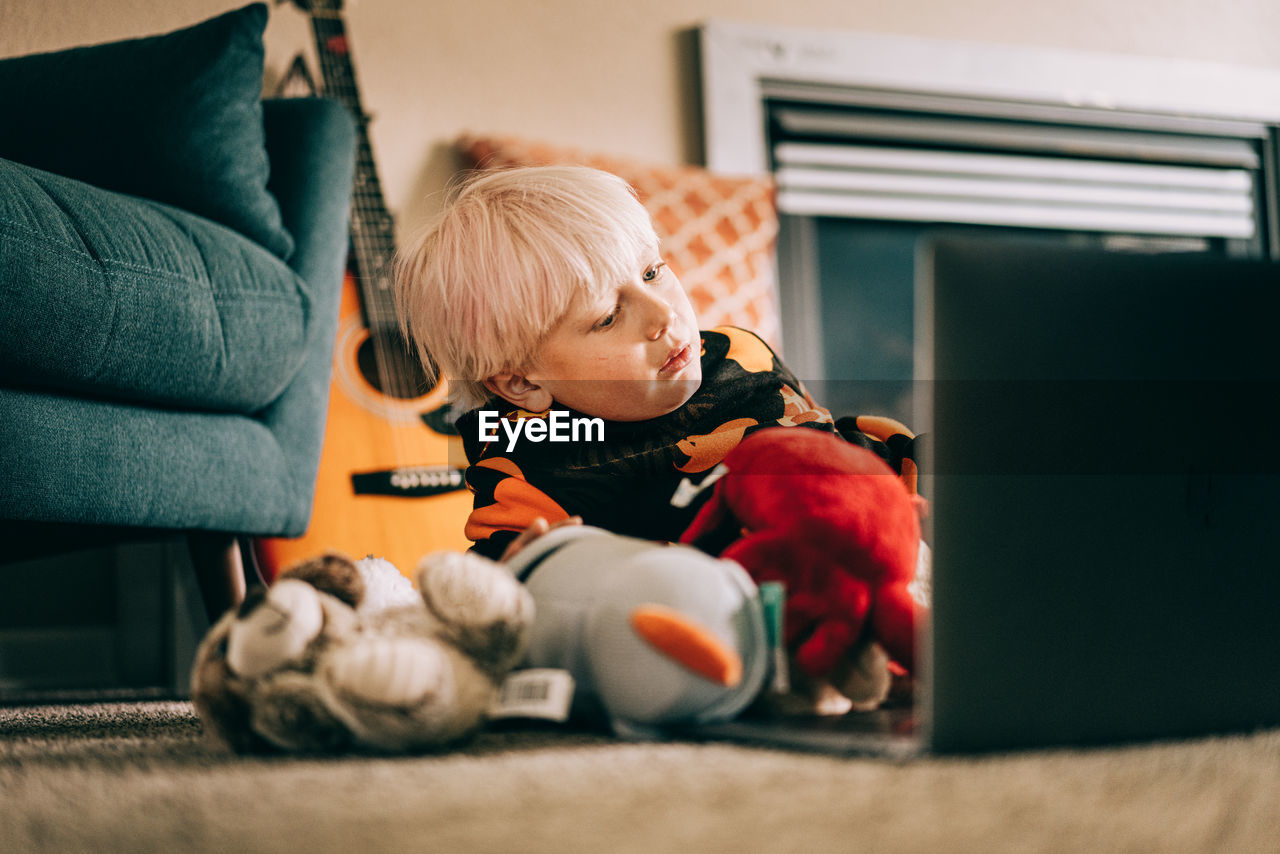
372, 227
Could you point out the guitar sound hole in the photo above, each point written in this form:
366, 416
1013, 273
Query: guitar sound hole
392, 369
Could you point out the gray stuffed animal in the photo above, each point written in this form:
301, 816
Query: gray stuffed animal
342, 656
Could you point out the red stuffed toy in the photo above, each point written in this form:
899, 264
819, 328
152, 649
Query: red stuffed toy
837, 526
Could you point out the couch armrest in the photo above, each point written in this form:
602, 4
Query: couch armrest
312, 146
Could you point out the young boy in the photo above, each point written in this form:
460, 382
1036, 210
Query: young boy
588, 389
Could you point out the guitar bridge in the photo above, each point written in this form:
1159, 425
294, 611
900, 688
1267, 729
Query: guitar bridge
409, 482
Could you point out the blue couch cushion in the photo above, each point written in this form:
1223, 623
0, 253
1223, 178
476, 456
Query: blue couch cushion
132, 299
176, 118
98, 462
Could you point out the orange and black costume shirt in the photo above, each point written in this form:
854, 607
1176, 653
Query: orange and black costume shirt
624, 482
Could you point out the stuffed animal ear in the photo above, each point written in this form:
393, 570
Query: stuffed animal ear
331, 573
486, 610
222, 707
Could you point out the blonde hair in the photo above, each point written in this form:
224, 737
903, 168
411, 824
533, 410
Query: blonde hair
506, 259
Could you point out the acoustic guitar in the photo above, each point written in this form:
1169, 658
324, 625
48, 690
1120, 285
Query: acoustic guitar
385, 485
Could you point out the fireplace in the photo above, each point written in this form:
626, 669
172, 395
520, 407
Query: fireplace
878, 141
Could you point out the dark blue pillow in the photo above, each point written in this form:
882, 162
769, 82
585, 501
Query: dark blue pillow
176, 118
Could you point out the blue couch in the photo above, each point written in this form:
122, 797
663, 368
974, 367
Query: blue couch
171, 256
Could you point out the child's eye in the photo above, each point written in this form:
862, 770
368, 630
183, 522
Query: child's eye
652, 274
608, 320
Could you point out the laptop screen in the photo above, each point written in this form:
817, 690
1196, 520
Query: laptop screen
1103, 476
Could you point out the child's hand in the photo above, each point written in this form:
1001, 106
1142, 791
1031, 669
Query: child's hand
531, 533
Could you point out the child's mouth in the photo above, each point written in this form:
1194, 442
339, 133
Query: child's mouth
677, 361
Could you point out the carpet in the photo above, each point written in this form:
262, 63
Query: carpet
140, 776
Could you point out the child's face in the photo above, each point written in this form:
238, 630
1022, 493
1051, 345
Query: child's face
632, 355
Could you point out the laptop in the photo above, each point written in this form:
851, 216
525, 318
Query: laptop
1101, 461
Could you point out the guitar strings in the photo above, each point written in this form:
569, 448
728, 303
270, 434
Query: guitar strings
372, 244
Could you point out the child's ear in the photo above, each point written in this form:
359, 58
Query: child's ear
519, 391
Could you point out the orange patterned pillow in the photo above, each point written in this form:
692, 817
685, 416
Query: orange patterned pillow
717, 232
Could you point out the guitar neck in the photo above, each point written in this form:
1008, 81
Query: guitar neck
372, 227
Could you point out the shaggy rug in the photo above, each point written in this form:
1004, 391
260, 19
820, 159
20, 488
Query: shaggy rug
141, 776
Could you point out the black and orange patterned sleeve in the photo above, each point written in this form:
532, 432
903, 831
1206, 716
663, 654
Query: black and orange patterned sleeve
755, 356
505, 504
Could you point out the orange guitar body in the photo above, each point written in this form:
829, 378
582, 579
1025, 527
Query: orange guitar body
390, 480
381, 436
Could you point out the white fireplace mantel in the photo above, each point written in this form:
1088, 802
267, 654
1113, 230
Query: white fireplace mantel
738, 58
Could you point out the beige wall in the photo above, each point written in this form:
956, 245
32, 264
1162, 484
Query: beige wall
613, 75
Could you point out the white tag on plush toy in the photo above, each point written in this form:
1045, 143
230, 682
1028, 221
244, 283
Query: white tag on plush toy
545, 693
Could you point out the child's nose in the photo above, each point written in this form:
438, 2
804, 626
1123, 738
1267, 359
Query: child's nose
659, 316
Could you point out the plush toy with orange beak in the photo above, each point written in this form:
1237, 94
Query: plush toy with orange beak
653, 634
840, 529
